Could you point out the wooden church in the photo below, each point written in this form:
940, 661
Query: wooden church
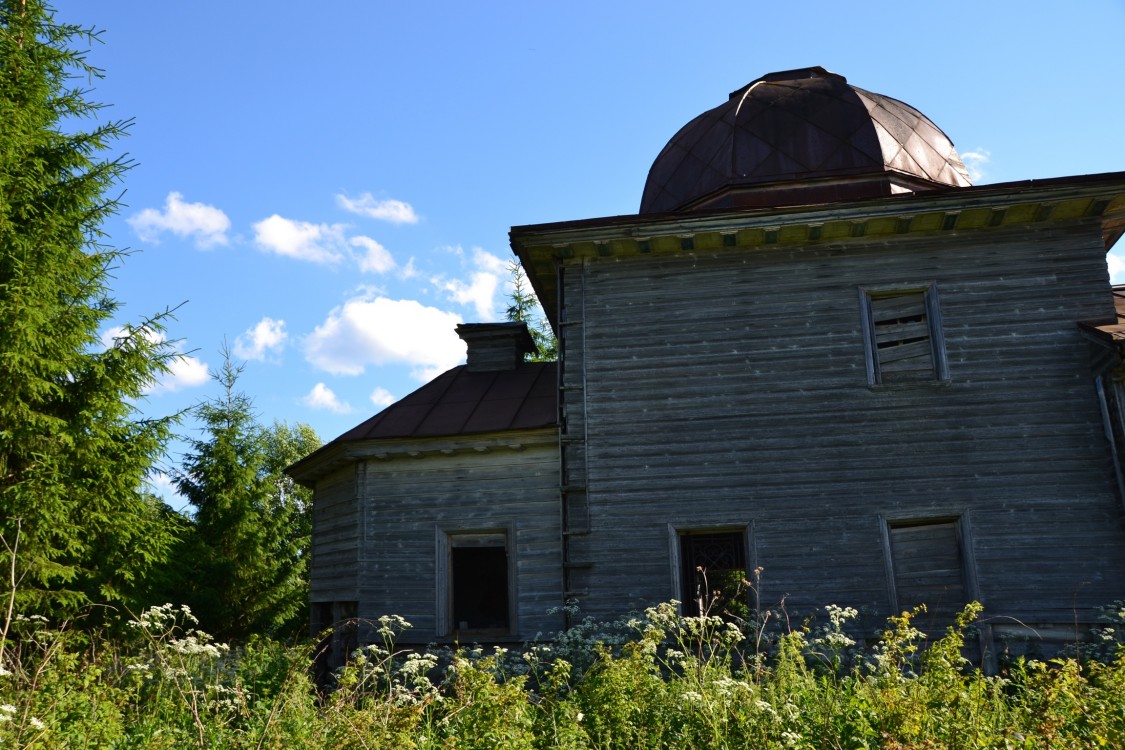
817, 359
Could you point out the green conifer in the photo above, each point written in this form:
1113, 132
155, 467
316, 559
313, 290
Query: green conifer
73, 451
245, 560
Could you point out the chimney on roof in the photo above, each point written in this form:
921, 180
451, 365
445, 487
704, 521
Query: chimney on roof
496, 346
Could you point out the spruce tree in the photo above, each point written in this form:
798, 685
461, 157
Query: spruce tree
73, 450
246, 558
524, 308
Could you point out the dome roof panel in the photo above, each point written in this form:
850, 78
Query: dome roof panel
795, 129
925, 156
898, 122
694, 158
889, 146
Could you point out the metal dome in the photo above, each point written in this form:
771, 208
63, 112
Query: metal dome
800, 137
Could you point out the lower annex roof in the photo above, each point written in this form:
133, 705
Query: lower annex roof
459, 402
462, 402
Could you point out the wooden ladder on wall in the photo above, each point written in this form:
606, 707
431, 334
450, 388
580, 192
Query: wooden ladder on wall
573, 474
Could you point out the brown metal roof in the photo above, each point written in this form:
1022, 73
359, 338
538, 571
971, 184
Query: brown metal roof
1115, 331
458, 402
463, 402
803, 126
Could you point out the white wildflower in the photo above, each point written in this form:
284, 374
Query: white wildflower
419, 664
766, 707
837, 641
391, 625
198, 644
839, 615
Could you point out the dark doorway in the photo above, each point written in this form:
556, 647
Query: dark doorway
480, 589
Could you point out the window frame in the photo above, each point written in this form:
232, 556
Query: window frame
961, 522
970, 585
932, 305
446, 540
675, 545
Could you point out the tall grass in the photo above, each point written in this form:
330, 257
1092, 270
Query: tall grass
659, 681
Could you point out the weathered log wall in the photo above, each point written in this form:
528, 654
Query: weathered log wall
405, 503
730, 389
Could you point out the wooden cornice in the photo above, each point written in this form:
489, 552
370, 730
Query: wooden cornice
541, 248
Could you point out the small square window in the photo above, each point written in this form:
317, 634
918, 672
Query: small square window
902, 333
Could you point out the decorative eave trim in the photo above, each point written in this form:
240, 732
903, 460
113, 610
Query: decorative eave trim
318, 465
543, 247
510, 440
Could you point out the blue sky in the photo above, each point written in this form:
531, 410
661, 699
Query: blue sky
328, 187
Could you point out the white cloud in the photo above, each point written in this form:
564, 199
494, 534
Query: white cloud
267, 336
375, 258
161, 483
1116, 268
480, 290
316, 243
321, 397
207, 224
975, 161
111, 335
163, 486
184, 370
382, 397
380, 331
394, 211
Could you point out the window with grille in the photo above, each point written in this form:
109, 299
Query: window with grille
903, 335
713, 574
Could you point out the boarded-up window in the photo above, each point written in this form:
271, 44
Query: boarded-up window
903, 335
478, 583
712, 573
927, 563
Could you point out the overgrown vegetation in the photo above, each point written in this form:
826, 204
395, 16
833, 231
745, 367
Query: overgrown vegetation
674, 682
